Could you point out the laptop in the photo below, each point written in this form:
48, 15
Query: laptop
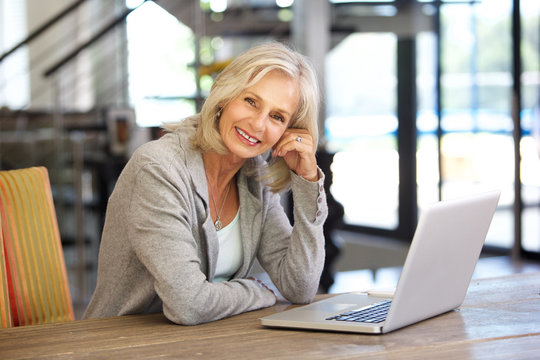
434, 280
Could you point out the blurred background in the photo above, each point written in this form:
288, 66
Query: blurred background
422, 100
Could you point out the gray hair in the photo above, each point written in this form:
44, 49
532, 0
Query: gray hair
244, 71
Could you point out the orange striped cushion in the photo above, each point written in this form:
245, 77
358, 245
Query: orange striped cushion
5, 311
36, 271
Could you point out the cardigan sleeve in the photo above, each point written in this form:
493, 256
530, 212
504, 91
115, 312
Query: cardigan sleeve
294, 256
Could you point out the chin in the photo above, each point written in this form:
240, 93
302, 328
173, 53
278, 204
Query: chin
245, 152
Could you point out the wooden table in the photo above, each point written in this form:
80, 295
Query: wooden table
500, 319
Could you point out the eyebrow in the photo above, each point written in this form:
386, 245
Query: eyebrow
282, 111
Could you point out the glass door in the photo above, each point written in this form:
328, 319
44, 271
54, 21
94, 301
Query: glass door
457, 80
361, 128
371, 105
480, 131
530, 122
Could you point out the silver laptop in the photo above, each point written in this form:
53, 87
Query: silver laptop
434, 280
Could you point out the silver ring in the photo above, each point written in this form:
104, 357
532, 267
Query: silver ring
299, 139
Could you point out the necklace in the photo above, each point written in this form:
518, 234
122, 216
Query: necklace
217, 224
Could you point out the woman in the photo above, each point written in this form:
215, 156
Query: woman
192, 211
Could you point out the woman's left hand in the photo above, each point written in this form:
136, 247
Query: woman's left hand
297, 149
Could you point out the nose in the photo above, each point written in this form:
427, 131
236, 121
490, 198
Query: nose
258, 121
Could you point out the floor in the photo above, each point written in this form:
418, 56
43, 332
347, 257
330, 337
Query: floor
380, 260
387, 278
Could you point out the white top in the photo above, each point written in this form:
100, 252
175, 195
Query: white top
230, 251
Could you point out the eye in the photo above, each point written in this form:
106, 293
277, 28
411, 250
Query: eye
278, 118
250, 101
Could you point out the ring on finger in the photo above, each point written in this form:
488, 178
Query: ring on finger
299, 139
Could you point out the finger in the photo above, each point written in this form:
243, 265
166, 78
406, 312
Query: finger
293, 141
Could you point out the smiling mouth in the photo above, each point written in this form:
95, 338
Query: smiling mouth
247, 137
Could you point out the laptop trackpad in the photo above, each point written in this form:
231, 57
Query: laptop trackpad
328, 307
340, 303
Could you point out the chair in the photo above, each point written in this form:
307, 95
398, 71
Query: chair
5, 310
33, 259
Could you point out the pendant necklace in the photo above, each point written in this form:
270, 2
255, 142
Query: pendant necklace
217, 224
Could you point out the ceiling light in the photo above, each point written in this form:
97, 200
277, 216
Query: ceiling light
218, 5
284, 3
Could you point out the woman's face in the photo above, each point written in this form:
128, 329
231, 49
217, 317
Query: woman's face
254, 121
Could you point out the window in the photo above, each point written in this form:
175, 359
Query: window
530, 143
161, 57
14, 69
361, 128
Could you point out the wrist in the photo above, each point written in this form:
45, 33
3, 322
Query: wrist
312, 177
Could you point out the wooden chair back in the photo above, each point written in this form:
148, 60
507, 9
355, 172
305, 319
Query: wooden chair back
33, 260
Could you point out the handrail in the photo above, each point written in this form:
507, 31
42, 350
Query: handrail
43, 28
90, 41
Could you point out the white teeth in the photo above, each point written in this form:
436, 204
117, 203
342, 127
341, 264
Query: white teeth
246, 136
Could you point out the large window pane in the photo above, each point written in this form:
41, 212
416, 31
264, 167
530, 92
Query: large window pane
477, 145
427, 155
162, 80
530, 144
14, 76
361, 128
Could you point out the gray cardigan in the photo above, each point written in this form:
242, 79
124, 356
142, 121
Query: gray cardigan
159, 247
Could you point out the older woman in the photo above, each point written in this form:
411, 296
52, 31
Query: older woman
192, 211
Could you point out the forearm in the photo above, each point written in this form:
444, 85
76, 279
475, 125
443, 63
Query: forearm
294, 259
214, 301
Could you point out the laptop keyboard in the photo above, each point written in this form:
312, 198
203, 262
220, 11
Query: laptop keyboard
373, 313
